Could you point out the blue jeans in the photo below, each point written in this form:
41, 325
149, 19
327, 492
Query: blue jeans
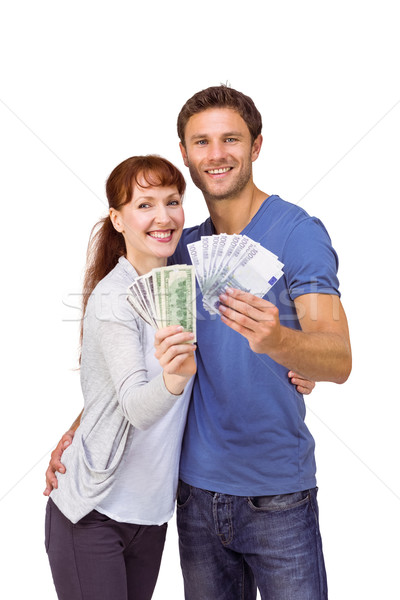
232, 545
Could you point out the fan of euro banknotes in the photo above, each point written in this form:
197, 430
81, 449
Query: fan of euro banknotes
223, 261
166, 296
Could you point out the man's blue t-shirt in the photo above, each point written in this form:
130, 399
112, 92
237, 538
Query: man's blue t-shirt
245, 432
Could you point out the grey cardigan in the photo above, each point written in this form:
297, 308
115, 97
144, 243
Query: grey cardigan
117, 396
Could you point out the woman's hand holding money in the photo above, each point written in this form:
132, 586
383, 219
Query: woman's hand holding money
175, 354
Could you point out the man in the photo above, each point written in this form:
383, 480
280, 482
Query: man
247, 510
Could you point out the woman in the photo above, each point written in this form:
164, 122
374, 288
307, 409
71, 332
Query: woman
106, 521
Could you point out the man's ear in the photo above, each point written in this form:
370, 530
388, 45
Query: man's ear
115, 218
184, 154
256, 149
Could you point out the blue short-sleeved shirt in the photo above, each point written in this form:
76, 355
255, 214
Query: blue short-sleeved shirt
245, 433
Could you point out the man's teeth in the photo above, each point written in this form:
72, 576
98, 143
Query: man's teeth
159, 234
214, 171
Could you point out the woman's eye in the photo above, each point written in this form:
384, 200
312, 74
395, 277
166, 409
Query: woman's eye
174, 202
144, 205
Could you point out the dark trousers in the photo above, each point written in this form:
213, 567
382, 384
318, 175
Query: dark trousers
101, 559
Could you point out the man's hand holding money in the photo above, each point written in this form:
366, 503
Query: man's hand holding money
254, 318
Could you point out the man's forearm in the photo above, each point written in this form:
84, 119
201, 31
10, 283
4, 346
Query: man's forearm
319, 356
320, 351
77, 422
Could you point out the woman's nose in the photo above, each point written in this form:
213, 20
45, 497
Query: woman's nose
162, 215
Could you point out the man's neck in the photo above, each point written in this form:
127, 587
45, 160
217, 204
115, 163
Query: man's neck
232, 215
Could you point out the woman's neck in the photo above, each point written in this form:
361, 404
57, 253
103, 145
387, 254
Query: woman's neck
146, 264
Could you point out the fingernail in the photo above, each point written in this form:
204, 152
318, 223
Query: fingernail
230, 291
222, 308
223, 297
180, 328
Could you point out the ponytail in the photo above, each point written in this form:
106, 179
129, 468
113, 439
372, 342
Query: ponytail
106, 246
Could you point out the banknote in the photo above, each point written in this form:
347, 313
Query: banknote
139, 309
178, 297
166, 296
222, 261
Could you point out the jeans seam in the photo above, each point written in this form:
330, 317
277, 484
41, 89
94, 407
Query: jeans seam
243, 579
182, 506
221, 536
317, 543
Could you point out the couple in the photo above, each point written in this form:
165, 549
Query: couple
247, 512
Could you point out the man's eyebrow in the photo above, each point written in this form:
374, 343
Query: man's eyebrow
233, 134
202, 136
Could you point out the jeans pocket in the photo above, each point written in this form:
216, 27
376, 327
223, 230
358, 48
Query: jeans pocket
184, 494
280, 501
47, 525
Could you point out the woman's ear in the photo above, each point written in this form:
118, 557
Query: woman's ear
115, 217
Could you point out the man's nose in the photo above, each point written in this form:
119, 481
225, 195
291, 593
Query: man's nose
216, 151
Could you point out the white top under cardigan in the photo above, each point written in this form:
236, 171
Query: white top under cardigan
124, 459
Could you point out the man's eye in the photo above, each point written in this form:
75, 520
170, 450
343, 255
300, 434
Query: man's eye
202, 142
231, 140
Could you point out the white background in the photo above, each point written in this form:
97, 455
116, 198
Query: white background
84, 85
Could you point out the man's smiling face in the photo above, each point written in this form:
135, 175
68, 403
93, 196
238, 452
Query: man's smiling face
219, 152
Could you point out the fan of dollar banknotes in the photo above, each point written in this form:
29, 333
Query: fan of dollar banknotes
167, 295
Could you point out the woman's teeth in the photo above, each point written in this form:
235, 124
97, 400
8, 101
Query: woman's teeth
159, 234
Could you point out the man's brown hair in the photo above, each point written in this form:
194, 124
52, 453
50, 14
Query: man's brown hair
221, 96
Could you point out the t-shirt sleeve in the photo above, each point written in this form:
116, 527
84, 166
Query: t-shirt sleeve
310, 262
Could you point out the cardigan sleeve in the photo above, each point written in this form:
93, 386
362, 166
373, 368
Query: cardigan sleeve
141, 401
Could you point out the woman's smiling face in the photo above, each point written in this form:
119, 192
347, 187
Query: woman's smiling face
151, 223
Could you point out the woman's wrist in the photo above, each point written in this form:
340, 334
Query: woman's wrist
175, 384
